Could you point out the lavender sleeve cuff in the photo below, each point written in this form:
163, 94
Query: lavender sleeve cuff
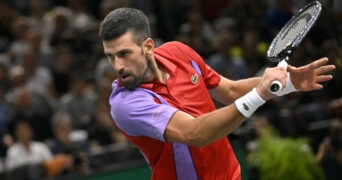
137, 114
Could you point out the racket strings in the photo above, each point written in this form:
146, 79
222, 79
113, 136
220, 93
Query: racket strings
293, 32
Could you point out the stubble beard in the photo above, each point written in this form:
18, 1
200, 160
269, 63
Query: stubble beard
137, 80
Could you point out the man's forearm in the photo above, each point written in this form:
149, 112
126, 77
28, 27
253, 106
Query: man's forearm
241, 87
228, 91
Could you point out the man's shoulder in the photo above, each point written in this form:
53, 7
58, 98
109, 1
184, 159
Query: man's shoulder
15, 147
124, 98
174, 51
172, 46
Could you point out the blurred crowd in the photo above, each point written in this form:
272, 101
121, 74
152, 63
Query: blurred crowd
55, 80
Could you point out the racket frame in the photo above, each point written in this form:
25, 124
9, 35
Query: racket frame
283, 56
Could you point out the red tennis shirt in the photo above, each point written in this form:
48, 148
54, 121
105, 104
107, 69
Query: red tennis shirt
143, 114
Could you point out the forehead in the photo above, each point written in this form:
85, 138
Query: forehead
123, 42
23, 126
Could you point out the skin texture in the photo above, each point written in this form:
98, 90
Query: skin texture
135, 65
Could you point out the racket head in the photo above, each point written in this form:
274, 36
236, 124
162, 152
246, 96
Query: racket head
293, 32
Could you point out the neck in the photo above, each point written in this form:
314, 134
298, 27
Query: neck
161, 74
157, 72
26, 145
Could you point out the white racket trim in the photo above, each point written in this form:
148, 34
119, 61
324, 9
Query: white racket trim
276, 86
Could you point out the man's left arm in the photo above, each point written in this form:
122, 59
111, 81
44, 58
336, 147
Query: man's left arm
304, 78
228, 90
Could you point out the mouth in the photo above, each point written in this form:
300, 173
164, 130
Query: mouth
124, 77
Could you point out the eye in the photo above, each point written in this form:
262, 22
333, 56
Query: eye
110, 57
123, 54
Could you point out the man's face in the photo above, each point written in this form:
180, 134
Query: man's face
128, 60
24, 133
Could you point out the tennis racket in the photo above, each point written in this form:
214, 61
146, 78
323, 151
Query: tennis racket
290, 36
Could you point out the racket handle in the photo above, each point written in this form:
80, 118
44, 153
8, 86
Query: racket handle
276, 86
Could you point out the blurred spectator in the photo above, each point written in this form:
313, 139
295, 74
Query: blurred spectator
26, 150
6, 140
82, 20
104, 71
330, 152
83, 25
212, 9
277, 16
4, 79
19, 46
247, 12
33, 107
108, 5
40, 49
30, 160
38, 78
16, 77
166, 16
104, 89
104, 132
223, 60
36, 11
253, 50
79, 101
61, 31
335, 108
77, 27
333, 51
63, 143
61, 71
196, 32
8, 15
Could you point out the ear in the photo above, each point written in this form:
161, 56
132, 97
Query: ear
148, 46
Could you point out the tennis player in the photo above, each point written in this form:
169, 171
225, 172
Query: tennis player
162, 100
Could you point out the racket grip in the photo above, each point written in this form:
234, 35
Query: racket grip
276, 86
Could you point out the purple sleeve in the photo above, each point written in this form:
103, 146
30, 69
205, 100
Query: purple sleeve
137, 114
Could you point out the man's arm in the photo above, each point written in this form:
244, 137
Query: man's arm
228, 90
211, 126
204, 129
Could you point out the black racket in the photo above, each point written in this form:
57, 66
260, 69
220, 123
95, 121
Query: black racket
290, 36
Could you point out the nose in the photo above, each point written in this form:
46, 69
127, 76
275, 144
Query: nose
118, 64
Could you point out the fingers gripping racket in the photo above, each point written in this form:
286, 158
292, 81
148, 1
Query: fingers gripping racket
290, 36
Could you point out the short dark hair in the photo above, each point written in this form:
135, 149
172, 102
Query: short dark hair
122, 20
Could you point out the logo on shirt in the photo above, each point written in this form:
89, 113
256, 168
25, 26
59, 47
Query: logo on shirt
155, 113
245, 106
194, 78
